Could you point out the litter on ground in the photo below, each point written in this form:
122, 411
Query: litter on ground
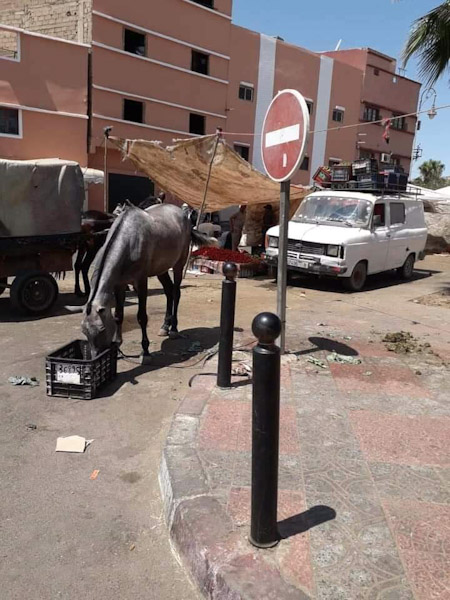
72, 443
342, 359
317, 362
23, 380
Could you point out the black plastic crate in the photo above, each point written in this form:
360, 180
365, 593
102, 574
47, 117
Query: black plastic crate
72, 373
375, 181
396, 181
365, 166
340, 173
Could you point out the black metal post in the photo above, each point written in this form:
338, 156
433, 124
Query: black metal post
265, 431
227, 325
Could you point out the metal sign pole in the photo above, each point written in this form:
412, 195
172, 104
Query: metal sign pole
282, 260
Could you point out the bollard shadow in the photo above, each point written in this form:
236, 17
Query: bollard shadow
316, 515
331, 345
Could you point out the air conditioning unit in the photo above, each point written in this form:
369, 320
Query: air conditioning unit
385, 158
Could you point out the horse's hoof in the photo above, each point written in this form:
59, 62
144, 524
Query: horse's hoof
163, 333
146, 359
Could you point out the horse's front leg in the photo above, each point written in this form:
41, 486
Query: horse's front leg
87, 262
142, 317
119, 293
167, 284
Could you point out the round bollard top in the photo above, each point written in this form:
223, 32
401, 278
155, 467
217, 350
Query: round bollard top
230, 270
266, 328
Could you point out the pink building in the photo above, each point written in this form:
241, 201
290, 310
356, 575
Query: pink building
43, 97
165, 69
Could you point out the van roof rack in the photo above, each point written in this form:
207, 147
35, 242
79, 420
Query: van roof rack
381, 190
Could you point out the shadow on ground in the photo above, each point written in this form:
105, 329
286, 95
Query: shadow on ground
68, 303
329, 284
175, 353
312, 517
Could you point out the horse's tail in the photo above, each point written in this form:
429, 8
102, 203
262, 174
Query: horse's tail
201, 239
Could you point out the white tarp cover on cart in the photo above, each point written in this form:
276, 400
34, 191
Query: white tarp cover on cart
40, 197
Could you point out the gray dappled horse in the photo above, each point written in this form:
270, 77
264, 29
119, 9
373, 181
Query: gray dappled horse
140, 244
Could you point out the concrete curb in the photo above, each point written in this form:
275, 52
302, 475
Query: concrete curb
220, 560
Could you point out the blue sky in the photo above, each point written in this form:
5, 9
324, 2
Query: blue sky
380, 24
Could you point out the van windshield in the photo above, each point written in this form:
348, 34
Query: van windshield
350, 212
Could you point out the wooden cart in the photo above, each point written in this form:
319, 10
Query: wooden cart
32, 262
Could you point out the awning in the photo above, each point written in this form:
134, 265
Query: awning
182, 170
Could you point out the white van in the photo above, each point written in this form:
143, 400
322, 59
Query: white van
353, 234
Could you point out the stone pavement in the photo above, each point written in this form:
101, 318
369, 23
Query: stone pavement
364, 494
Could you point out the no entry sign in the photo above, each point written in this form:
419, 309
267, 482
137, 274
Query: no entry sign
284, 135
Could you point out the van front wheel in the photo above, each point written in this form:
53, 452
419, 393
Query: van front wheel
357, 279
407, 271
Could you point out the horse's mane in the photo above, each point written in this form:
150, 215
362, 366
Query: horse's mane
104, 252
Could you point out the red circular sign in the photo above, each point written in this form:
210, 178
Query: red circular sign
284, 135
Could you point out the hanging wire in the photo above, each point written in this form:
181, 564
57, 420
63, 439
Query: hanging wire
339, 127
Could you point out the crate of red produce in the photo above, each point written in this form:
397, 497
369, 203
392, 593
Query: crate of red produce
211, 260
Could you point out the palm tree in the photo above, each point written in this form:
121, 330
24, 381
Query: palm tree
429, 40
431, 172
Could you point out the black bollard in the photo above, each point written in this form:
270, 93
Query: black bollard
227, 325
265, 431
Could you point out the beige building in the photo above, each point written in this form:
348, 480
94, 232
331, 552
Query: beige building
165, 69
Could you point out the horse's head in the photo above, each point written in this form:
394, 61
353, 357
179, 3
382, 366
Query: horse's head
99, 327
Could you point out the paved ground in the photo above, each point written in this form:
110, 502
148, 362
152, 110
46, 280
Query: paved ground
364, 502
65, 536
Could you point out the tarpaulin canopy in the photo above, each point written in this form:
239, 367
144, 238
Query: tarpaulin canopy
182, 170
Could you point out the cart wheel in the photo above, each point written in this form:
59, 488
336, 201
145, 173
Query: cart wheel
34, 293
3, 280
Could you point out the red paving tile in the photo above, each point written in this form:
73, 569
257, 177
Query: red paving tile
399, 439
422, 533
374, 350
220, 427
376, 379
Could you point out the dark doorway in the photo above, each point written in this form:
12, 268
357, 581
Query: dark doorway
128, 187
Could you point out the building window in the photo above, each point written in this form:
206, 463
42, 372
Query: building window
371, 113
9, 121
376, 72
246, 92
134, 42
243, 151
133, 111
310, 105
398, 214
197, 124
398, 123
334, 161
200, 62
305, 164
207, 3
338, 115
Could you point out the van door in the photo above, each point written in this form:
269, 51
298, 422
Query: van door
399, 245
379, 239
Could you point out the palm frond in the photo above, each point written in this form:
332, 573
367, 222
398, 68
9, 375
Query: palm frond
430, 41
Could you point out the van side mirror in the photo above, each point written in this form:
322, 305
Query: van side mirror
377, 221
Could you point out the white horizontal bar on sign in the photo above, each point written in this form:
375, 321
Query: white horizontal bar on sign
283, 136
